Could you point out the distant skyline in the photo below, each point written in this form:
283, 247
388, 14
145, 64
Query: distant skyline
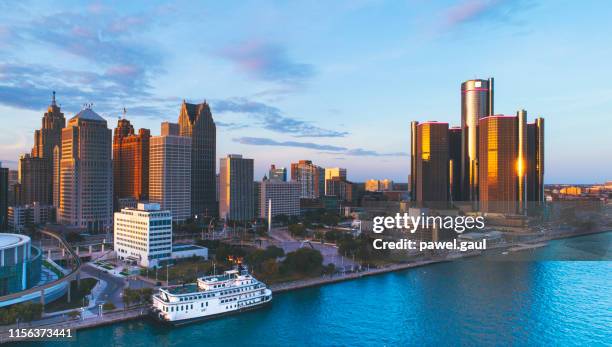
333, 82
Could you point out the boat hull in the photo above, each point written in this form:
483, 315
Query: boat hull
207, 317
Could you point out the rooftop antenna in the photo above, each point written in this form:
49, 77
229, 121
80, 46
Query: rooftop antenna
53, 99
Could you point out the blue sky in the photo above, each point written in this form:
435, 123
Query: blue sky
334, 82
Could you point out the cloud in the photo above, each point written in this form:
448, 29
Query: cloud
259, 141
272, 118
29, 86
471, 11
120, 63
267, 61
357, 152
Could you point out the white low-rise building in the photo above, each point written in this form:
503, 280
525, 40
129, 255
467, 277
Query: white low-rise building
143, 234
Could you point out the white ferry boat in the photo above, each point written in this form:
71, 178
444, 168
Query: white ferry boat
212, 296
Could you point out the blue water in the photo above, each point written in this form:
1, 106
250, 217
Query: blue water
481, 302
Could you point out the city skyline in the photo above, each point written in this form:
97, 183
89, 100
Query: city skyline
340, 101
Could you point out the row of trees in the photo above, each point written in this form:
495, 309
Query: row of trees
24, 312
136, 296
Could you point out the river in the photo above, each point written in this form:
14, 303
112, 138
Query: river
485, 301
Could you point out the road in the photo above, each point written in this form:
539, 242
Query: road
281, 238
114, 285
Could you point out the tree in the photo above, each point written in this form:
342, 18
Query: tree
304, 261
275, 252
269, 268
297, 230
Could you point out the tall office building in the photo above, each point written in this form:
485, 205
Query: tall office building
34, 175
476, 103
196, 121
13, 179
4, 192
130, 162
86, 182
432, 163
170, 174
143, 234
285, 197
45, 140
236, 188
535, 161
454, 157
311, 178
499, 164
334, 172
384, 185
278, 173
340, 188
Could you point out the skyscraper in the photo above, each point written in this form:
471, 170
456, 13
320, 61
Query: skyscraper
278, 173
476, 103
432, 163
196, 121
170, 174
535, 161
311, 177
285, 198
236, 188
86, 174
340, 188
499, 164
34, 175
332, 172
50, 134
130, 162
4, 184
36, 168
454, 157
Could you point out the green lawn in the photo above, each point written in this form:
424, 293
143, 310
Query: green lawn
76, 295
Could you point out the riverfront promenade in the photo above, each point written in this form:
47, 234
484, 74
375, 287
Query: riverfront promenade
78, 323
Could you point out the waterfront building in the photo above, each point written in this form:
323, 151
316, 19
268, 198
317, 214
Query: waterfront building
500, 165
311, 178
143, 235
476, 103
278, 173
4, 194
22, 217
454, 162
432, 162
20, 263
285, 197
34, 179
86, 174
236, 188
340, 188
130, 162
535, 161
196, 122
170, 174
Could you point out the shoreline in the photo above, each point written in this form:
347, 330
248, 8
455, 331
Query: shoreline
527, 245
139, 312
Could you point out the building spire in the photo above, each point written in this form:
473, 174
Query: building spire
53, 99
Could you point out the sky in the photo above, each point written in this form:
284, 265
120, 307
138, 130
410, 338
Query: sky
331, 81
